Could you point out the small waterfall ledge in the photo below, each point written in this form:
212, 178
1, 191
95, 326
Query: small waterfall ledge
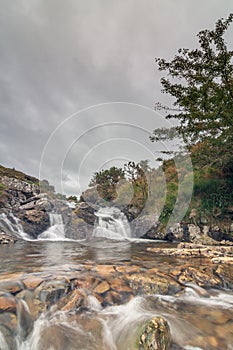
111, 223
56, 231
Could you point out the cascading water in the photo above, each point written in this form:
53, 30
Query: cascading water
111, 223
56, 231
11, 224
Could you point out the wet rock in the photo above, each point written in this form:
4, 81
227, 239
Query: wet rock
51, 291
128, 269
152, 284
105, 270
195, 250
222, 260
225, 273
155, 334
6, 239
7, 302
32, 282
85, 333
74, 300
115, 298
102, 287
203, 277
120, 285
34, 221
11, 286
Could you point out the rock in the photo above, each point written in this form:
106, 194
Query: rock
153, 284
11, 286
102, 287
105, 270
51, 291
6, 238
20, 186
34, 221
32, 282
177, 232
147, 226
74, 300
7, 303
222, 260
85, 212
120, 285
195, 250
155, 334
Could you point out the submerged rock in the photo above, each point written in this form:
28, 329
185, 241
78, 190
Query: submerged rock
154, 335
6, 239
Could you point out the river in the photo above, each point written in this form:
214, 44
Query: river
59, 294
197, 320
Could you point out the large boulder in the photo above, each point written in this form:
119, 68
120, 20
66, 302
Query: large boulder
34, 221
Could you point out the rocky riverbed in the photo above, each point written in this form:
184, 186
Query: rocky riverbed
61, 296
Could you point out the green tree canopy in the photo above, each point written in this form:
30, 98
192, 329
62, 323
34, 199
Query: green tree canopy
201, 82
106, 181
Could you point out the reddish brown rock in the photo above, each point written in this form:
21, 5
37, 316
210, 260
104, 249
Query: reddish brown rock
102, 287
32, 282
7, 303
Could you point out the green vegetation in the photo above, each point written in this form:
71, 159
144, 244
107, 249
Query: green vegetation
201, 82
17, 175
106, 181
2, 187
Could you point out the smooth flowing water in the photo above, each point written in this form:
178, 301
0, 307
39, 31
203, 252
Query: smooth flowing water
111, 223
199, 319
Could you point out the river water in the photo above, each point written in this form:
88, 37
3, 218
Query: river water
198, 318
196, 321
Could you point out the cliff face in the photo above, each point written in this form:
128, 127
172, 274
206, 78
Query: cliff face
20, 194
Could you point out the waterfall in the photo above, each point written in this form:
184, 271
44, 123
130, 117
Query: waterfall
56, 231
111, 223
10, 224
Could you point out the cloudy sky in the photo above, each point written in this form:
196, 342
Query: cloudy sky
62, 63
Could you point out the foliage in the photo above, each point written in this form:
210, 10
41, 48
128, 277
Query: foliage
201, 82
106, 181
2, 187
72, 199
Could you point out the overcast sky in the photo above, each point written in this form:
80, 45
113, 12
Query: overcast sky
60, 57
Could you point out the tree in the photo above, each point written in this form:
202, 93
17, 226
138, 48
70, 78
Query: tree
106, 181
137, 174
201, 82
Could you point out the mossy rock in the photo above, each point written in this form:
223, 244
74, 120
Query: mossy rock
154, 335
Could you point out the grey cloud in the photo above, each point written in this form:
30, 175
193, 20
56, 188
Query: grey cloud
57, 57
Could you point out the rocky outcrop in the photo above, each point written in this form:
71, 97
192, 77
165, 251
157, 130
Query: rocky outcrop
18, 191
217, 254
6, 239
34, 221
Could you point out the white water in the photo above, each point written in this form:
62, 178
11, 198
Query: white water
111, 223
12, 225
119, 324
56, 231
